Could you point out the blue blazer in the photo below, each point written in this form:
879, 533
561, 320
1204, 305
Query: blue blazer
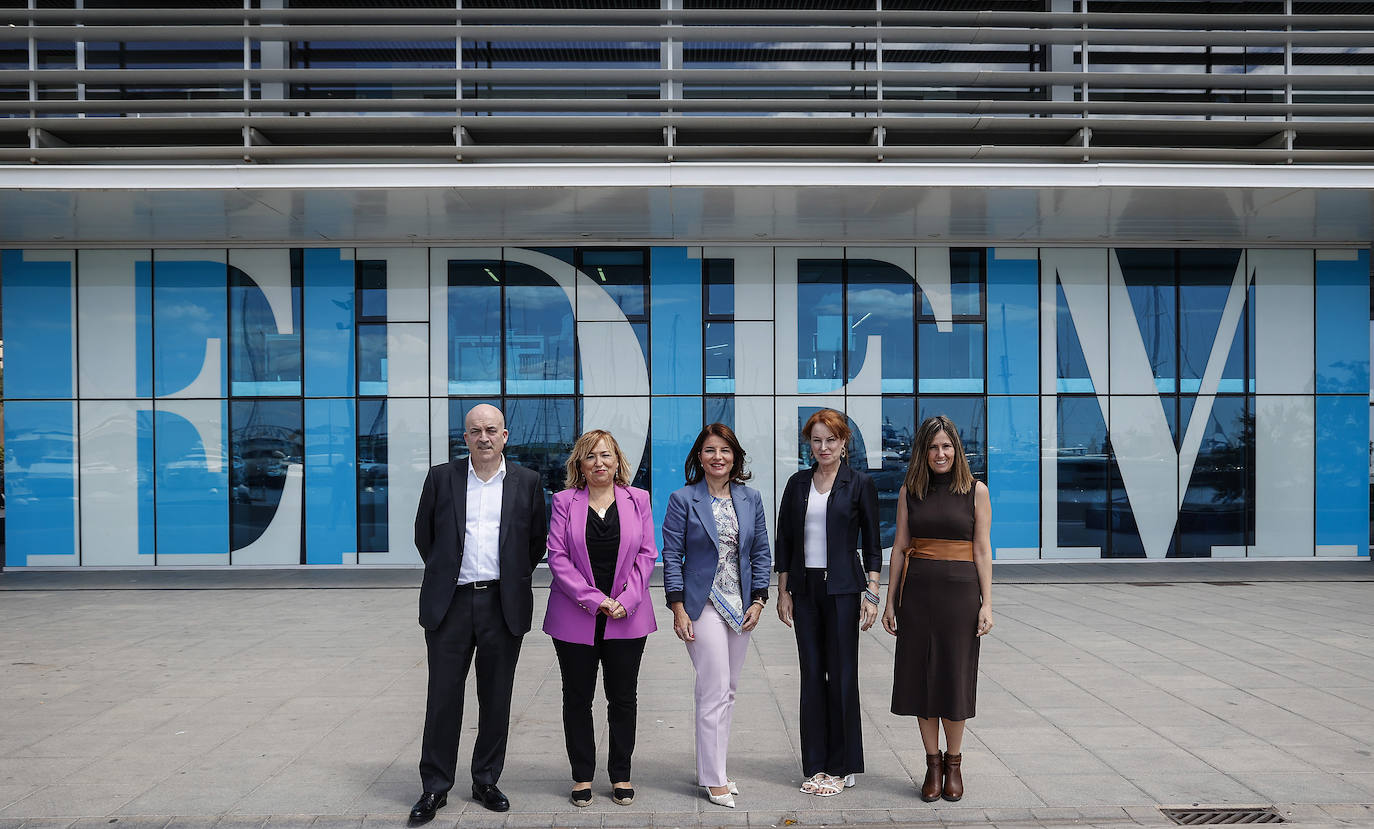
691, 552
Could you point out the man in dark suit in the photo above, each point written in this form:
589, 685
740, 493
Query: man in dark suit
481, 528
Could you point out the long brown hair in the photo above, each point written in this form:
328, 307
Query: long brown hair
918, 472
574, 479
692, 467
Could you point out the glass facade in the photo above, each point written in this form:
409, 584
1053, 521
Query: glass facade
281, 406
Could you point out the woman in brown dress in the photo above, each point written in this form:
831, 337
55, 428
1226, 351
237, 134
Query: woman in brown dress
939, 598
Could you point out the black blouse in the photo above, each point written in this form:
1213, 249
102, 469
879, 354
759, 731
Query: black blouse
603, 546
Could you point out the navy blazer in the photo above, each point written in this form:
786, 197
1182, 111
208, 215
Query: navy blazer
691, 552
851, 514
440, 526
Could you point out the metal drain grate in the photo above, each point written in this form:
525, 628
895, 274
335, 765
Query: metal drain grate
1209, 816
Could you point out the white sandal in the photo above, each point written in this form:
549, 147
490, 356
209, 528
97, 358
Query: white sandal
828, 786
810, 784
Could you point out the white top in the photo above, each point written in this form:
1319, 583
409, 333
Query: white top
813, 532
482, 530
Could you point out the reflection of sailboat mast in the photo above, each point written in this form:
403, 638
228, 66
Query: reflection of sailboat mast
1006, 368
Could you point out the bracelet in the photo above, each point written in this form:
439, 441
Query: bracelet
871, 597
759, 602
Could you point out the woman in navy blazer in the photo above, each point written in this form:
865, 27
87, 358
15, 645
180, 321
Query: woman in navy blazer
716, 564
827, 593
601, 554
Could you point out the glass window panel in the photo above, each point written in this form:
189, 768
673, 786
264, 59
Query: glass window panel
1216, 509
265, 437
881, 303
1149, 278
1205, 278
1082, 473
474, 327
538, 335
951, 362
372, 477
720, 357
970, 416
372, 291
458, 408
263, 360
720, 287
1071, 366
719, 410
966, 279
820, 325
622, 273
372, 359
899, 430
542, 430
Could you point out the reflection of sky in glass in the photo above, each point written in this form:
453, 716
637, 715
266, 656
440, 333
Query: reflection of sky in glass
951, 362
880, 304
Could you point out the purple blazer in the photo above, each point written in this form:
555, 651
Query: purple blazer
573, 597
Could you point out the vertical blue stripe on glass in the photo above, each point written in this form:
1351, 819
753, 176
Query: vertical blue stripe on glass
675, 424
675, 319
1342, 501
328, 307
331, 484
1343, 324
40, 479
192, 497
38, 326
1013, 325
1013, 459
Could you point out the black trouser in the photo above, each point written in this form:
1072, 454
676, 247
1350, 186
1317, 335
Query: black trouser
474, 624
619, 660
827, 629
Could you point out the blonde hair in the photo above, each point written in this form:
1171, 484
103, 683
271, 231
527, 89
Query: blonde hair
574, 479
918, 472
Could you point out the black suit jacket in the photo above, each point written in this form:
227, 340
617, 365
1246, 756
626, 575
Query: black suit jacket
439, 530
851, 513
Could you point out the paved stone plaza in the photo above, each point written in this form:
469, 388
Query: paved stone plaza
288, 699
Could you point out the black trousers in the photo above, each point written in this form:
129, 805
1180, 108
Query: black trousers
827, 630
619, 660
474, 625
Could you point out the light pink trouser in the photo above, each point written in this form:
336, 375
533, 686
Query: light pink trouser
718, 654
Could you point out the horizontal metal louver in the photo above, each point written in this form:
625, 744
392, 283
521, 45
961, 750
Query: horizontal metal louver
1050, 81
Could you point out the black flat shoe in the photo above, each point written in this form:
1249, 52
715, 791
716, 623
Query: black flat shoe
623, 797
489, 796
581, 797
426, 806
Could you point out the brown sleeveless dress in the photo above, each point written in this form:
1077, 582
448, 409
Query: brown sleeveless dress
936, 668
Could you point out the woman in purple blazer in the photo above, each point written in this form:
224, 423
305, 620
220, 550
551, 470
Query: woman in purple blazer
601, 554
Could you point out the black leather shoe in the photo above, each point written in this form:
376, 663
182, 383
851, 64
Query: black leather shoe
489, 796
426, 806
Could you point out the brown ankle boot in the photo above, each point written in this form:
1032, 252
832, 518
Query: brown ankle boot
954, 779
935, 773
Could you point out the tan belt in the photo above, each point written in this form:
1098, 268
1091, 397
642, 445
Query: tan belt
934, 549
941, 549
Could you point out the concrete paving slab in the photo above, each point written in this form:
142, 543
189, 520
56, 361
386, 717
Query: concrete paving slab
256, 700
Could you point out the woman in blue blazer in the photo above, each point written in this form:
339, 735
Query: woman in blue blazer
716, 563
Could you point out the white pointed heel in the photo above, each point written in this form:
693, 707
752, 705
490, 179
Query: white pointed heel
727, 800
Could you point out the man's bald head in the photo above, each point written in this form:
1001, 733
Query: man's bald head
484, 431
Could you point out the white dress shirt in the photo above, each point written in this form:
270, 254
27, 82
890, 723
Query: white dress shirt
482, 530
